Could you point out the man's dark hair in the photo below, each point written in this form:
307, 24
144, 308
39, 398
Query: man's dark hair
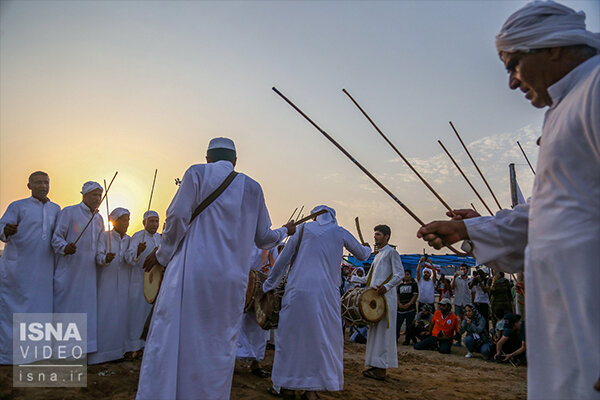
409, 272
36, 173
464, 265
215, 155
383, 229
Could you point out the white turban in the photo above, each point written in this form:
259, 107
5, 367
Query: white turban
150, 214
427, 270
221, 143
117, 213
325, 218
544, 24
89, 186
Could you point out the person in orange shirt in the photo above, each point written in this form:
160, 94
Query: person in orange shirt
443, 329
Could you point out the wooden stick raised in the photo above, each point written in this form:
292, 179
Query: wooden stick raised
363, 169
360, 236
475, 164
398, 152
464, 176
308, 217
525, 155
292, 216
150, 202
108, 220
96, 210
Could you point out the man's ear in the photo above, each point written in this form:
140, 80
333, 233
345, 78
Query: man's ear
28, 186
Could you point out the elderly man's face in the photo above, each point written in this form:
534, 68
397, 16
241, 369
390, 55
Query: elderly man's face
151, 225
39, 186
426, 275
92, 199
121, 224
532, 73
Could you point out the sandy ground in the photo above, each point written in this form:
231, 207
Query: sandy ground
421, 375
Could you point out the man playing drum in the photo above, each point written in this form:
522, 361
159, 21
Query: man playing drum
385, 274
191, 345
310, 344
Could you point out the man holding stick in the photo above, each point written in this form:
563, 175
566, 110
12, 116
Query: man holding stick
554, 60
191, 345
75, 265
27, 265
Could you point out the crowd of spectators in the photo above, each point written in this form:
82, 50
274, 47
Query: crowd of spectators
427, 322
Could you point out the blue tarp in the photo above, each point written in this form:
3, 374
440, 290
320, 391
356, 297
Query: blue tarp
448, 263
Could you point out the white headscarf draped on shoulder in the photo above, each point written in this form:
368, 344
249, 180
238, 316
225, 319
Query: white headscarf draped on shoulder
544, 24
325, 218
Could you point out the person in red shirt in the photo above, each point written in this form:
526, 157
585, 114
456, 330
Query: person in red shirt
444, 327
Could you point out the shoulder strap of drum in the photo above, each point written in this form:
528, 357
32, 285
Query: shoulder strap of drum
297, 247
214, 195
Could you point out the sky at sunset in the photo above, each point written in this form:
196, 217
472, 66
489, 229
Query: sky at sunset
88, 88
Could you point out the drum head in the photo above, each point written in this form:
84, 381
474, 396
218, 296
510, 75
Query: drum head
371, 306
152, 281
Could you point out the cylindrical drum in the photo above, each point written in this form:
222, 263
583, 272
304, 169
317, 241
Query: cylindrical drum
362, 306
255, 281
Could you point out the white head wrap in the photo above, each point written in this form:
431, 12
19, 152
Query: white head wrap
117, 213
325, 218
427, 270
150, 214
544, 24
89, 186
221, 143
359, 269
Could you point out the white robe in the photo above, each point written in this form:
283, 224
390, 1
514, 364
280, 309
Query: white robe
191, 346
382, 351
137, 307
112, 281
561, 228
252, 341
26, 266
310, 342
75, 274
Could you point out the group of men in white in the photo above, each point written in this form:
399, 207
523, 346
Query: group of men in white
54, 262
193, 337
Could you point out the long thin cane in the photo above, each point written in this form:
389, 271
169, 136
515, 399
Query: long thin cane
525, 155
149, 203
108, 217
363, 169
475, 164
464, 176
398, 152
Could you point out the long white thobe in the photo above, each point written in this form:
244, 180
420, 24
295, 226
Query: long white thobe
26, 266
191, 346
112, 286
252, 341
561, 228
382, 351
75, 274
310, 342
137, 307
